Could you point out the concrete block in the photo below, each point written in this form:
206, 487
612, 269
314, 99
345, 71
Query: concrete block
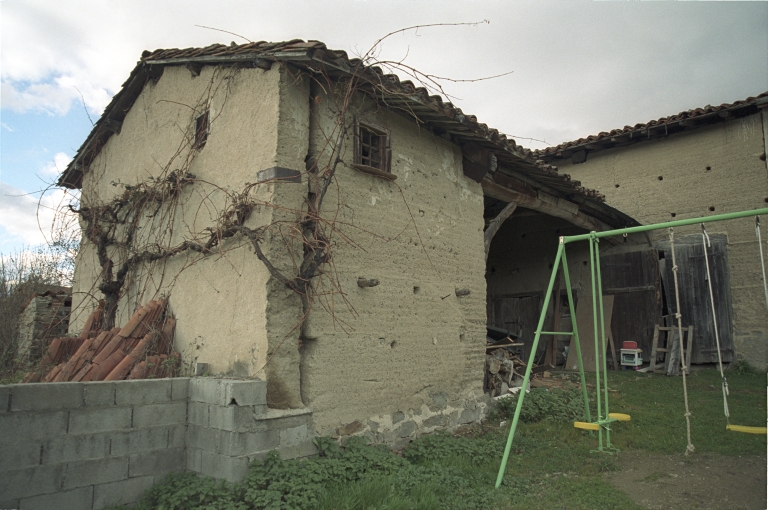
177, 436
88, 421
5, 398
68, 448
46, 396
180, 388
231, 418
22, 483
143, 391
206, 390
99, 393
138, 440
203, 438
232, 469
294, 435
298, 450
246, 393
123, 492
224, 392
76, 499
156, 463
194, 460
19, 455
247, 443
154, 415
94, 472
197, 413
16, 427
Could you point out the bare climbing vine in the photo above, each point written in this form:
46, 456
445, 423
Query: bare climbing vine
136, 233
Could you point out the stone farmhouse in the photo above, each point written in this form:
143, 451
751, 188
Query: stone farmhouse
701, 162
390, 338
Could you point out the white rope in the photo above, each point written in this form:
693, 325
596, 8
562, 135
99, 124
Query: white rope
762, 261
707, 243
689, 449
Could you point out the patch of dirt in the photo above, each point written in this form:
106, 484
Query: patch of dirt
702, 480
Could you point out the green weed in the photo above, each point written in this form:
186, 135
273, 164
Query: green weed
561, 406
549, 466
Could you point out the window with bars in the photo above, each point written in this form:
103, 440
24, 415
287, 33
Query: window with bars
202, 126
372, 146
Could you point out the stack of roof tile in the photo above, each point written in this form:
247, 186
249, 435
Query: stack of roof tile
139, 350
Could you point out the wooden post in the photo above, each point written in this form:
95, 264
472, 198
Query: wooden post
551, 356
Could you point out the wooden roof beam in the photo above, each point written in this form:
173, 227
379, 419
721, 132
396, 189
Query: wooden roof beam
558, 210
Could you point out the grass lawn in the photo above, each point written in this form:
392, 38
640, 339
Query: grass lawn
550, 465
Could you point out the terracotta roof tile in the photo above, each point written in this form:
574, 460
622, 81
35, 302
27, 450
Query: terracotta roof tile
706, 115
464, 127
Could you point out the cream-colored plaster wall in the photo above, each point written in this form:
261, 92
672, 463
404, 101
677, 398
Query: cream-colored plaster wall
219, 301
655, 179
408, 346
283, 308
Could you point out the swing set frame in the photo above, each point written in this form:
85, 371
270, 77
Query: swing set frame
604, 417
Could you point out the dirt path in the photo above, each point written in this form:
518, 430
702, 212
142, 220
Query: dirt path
703, 481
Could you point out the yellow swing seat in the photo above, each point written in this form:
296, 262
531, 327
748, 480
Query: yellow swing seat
746, 429
584, 425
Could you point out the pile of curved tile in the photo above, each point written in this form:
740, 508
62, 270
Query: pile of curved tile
142, 349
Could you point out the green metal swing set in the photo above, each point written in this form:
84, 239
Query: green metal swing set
604, 418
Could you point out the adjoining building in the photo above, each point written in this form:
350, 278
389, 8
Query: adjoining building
700, 162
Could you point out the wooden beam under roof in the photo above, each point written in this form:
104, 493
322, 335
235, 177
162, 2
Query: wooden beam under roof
574, 216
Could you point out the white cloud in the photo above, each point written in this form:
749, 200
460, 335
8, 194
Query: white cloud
56, 166
584, 67
6, 126
31, 219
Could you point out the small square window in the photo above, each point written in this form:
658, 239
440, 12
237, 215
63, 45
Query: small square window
202, 126
372, 146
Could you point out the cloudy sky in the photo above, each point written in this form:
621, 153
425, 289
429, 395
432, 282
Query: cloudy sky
578, 68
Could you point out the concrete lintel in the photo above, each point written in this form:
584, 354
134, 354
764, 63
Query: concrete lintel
277, 173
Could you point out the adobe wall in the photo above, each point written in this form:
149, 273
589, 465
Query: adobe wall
405, 355
686, 174
218, 301
408, 354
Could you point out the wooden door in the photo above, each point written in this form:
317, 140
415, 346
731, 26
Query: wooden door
634, 281
695, 304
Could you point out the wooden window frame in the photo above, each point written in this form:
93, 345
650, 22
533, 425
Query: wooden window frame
202, 129
365, 160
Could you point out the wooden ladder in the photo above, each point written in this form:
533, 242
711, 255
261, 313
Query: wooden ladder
656, 349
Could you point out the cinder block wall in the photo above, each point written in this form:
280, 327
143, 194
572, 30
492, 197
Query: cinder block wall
98, 444
89, 445
230, 427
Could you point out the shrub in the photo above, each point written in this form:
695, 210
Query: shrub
22, 275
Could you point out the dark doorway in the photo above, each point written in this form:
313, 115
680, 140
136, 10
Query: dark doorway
516, 313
